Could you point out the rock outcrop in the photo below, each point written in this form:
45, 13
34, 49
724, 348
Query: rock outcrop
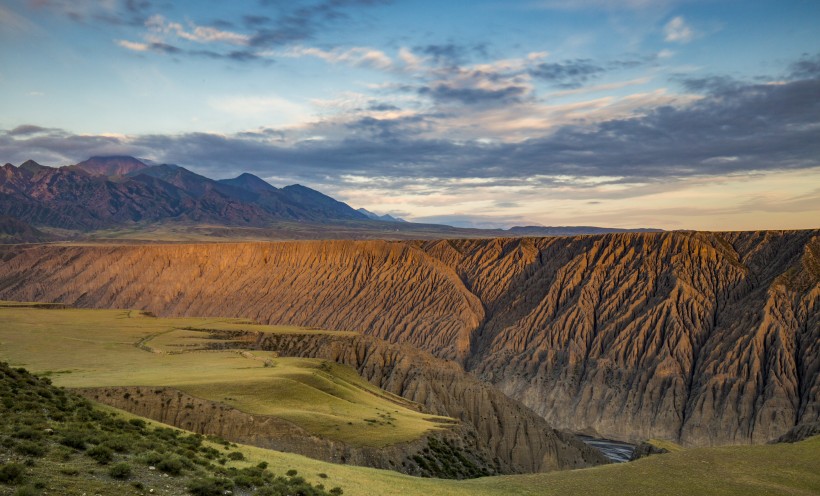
700, 338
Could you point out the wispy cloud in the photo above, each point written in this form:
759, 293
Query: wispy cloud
356, 56
160, 27
677, 30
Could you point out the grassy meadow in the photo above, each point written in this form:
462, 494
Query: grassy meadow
98, 348
86, 348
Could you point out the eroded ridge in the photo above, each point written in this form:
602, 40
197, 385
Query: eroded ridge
700, 338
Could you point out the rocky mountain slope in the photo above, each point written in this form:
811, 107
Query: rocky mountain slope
700, 338
106, 192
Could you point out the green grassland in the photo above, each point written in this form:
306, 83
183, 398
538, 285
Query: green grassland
85, 348
103, 348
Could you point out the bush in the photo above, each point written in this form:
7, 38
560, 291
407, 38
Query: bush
11, 474
336, 491
291, 473
26, 491
74, 439
28, 448
209, 486
101, 453
236, 456
120, 471
171, 465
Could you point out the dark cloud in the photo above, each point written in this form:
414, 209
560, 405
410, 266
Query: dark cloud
474, 96
567, 74
27, 129
382, 107
451, 54
734, 128
806, 68
300, 23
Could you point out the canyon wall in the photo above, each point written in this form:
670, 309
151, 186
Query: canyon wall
700, 338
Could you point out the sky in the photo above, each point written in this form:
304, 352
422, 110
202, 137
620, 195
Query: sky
673, 114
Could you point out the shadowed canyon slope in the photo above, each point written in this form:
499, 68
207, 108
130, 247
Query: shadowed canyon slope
701, 338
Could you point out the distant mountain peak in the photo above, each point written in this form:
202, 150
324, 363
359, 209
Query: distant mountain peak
374, 216
111, 165
249, 182
32, 166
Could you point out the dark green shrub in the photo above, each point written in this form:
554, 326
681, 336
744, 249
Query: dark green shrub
120, 471
11, 474
171, 465
28, 448
291, 472
138, 423
209, 486
26, 491
336, 491
74, 439
101, 453
236, 456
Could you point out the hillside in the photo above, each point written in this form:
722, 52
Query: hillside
201, 375
698, 338
34, 462
54, 441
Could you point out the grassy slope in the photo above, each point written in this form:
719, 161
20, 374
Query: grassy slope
792, 469
55, 442
788, 469
94, 348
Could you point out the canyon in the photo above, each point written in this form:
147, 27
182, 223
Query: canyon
698, 338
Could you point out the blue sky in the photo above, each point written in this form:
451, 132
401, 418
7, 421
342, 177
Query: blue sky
700, 114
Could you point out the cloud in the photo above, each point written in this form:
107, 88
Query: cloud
451, 54
806, 68
734, 127
678, 31
356, 56
474, 96
134, 46
158, 25
568, 74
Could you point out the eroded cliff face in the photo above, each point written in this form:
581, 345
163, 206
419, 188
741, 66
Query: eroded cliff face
188, 412
519, 440
701, 338
389, 290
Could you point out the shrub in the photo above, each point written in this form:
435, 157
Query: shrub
28, 448
171, 465
336, 491
11, 474
291, 472
26, 491
74, 439
138, 423
236, 456
120, 471
209, 486
101, 453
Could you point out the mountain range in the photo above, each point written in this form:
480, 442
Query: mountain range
105, 192
126, 195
